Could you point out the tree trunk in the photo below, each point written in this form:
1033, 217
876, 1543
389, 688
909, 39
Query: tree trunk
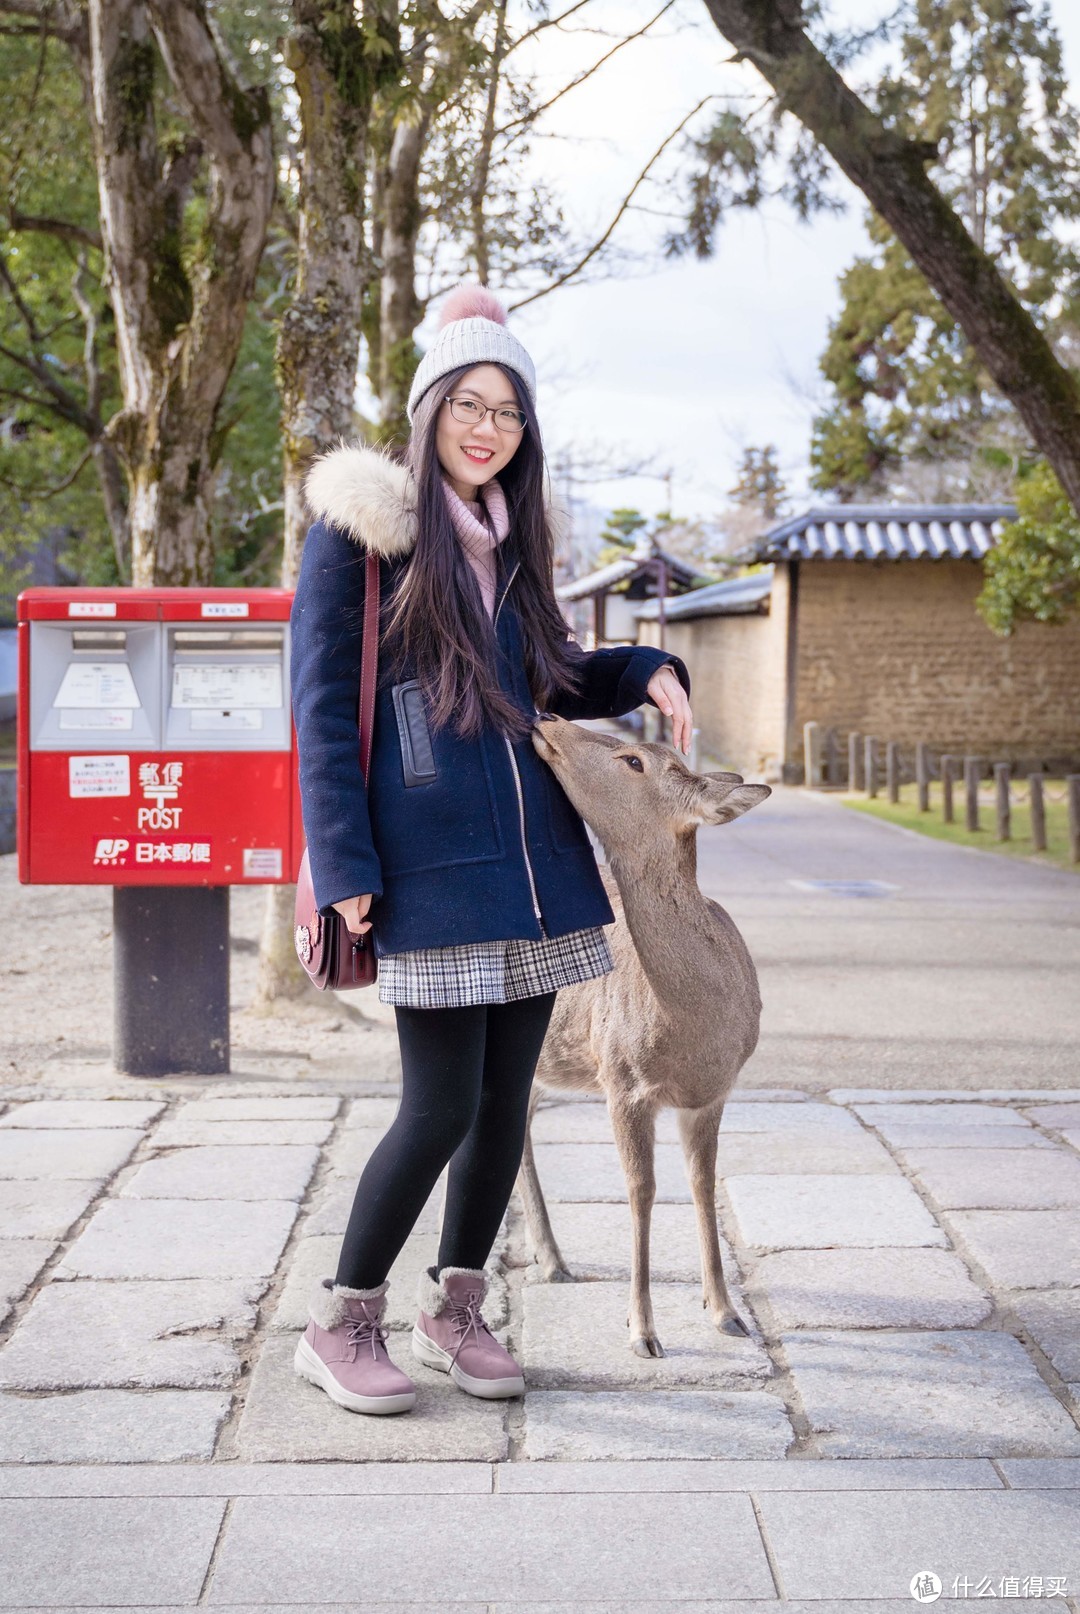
891, 173
400, 308
319, 341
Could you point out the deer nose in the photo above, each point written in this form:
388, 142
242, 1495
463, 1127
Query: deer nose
547, 717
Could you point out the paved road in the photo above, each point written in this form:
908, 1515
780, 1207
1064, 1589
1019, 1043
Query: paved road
965, 975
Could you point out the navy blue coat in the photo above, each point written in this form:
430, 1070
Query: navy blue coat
437, 836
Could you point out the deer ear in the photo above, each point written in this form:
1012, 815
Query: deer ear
720, 802
723, 778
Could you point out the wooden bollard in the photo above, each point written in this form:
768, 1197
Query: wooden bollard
870, 765
922, 775
829, 770
1072, 786
948, 774
892, 770
1038, 812
1002, 775
854, 758
972, 774
812, 755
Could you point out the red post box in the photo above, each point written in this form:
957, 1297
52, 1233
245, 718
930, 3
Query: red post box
156, 750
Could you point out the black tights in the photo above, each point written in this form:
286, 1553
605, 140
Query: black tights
466, 1076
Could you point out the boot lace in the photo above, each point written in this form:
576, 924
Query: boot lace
368, 1331
465, 1319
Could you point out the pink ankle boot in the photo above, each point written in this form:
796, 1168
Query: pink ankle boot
343, 1351
452, 1337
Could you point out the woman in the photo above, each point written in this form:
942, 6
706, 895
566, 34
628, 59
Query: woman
463, 853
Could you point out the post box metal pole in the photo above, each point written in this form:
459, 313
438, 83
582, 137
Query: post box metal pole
171, 980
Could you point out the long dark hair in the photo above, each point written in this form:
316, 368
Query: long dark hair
438, 620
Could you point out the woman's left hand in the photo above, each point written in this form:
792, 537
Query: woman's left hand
669, 695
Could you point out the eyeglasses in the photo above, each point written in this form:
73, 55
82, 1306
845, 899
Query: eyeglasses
471, 413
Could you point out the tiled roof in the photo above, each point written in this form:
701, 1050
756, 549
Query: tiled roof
885, 532
625, 566
739, 596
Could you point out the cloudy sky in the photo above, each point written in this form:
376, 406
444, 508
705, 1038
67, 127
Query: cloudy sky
689, 362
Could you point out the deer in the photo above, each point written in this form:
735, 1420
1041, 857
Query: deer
673, 1023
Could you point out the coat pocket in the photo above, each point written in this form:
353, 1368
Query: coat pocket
414, 736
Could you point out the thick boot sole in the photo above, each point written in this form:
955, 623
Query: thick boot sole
311, 1367
425, 1350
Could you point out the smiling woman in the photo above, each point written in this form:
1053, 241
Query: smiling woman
462, 852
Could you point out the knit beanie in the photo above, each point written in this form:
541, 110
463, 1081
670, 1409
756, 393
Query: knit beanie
472, 330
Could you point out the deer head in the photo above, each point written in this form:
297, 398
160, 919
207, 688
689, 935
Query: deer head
620, 787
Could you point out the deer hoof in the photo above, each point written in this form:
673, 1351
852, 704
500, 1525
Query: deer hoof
648, 1345
733, 1324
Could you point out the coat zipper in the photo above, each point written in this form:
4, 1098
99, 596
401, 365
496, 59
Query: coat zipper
517, 786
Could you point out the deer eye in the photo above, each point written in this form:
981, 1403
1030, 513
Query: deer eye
635, 763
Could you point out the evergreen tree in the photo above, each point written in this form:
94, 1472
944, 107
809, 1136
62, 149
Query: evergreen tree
982, 82
759, 482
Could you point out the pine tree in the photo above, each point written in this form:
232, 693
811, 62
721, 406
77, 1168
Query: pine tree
759, 482
983, 81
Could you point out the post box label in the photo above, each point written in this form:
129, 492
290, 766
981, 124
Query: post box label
262, 862
99, 776
91, 608
94, 717
90, 684
172, 851
226, 722
223, 608
225, 685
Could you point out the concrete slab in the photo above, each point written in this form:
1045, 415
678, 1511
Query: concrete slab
1042, 1473
1052, 1319
88, 1553
795, 1474
329, 1210
249, 1479
316, 1258
807, 1212
943, 1114
970, 1135
494, 1547
575, 1337
1072, 1138
184, 1133
927, 1395
111, 1426
352, 1151
882, 1288
43, 1210
863, 1545
66, 1155
180, 1238
987, 1179
812, 1153
590, 1123
253, 1172
1055, 1116
20, 1262
654, 1424
96, 1335
595, 1240
1021, 1249
376, 1113
584, 1172
740, 1116
309, 1107
81, 1113
1020, 1096
287, 1420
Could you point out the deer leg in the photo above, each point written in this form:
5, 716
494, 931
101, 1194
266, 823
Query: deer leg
537, 1221
698, 1130
634, 1126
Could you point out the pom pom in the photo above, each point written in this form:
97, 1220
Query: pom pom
472, 302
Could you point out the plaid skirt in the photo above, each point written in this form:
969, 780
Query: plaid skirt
492, 972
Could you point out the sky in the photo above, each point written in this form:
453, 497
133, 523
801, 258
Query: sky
682, 364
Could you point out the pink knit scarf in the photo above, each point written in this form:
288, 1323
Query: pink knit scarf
478, 539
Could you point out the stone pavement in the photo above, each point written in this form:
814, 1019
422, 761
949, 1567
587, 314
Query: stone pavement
909, 1266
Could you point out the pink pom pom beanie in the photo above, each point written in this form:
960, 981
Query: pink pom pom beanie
472, 331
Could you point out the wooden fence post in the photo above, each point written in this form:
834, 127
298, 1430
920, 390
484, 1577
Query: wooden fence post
870, 765
829, 769
892, 770
854, 756
972, 774
948, 774
1072, 785
1038, 812
922, 775
1002, 773
812, 755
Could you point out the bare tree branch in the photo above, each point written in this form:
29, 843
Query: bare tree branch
64, 229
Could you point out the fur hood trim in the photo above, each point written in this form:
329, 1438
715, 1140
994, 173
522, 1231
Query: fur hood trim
329, 1302
368, 494
432, 1296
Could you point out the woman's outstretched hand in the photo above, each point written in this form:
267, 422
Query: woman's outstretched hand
670, 696
352, 910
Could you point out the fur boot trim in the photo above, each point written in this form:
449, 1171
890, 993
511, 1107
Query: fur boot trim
367, 493
327, 1304
432, 1296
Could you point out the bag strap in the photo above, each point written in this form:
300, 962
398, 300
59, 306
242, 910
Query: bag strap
369, 661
